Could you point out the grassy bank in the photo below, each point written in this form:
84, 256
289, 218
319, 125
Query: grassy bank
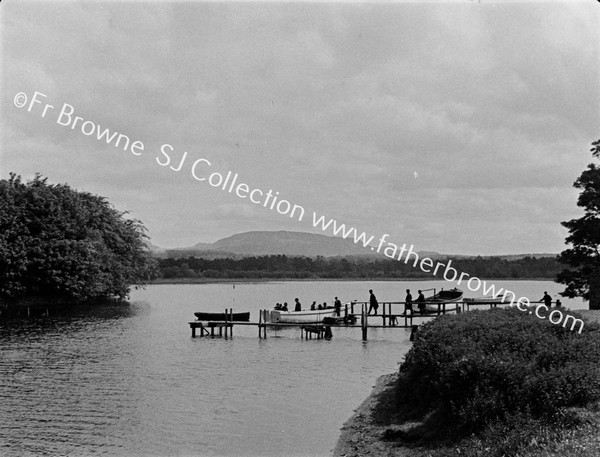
486, 384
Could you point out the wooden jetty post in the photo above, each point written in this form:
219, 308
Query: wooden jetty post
392, 318
262, 323
363, 322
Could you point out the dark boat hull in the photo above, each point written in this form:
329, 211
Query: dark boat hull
240, 317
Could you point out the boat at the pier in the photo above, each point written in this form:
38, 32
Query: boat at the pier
300, 317
240, 317
444, 300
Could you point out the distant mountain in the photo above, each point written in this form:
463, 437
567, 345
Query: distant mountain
274, 243
250, 244
153, 248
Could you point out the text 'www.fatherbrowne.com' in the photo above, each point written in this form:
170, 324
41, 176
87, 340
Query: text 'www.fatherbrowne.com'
201, 170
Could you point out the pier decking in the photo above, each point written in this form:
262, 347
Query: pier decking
354, 315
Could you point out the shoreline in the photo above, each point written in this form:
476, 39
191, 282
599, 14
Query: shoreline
361, 434
164, 281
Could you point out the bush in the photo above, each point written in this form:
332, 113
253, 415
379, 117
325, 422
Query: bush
474, 369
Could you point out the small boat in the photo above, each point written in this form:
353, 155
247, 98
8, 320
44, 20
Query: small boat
240, 317
301, 317
445, 298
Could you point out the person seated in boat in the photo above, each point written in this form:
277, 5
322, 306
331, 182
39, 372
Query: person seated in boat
338, 307
278, 306
284, 308
313, 306
298, 306
320, 306
324, 305
421, 303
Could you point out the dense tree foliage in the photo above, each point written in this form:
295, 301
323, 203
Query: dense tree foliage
281, 266
56, 242
583, 278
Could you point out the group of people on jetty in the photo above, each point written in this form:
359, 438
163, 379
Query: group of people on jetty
422, 305
420, 302
408, 302
337, 304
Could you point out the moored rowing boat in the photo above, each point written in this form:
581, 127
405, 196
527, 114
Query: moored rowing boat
300, 317
240, 317
444, 300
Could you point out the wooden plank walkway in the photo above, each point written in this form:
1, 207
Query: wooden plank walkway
350, 319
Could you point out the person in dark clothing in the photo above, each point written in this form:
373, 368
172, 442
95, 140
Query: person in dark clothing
373, 305
285, 307
547, 299
338, 307
298, 305
421, 303
408, 301
313, 306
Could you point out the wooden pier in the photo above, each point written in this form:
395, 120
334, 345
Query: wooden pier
354, 315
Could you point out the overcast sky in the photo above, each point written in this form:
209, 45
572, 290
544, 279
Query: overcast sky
456, 127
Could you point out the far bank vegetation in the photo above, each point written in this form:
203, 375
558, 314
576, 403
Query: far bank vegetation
286, 267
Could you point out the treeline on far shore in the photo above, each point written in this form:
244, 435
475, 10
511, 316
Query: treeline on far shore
286, 267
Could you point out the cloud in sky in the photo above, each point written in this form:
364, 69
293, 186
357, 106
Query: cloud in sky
334, 105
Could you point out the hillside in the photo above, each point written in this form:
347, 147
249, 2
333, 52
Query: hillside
261, 243
273, 243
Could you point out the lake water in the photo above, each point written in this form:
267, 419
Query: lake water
130, 381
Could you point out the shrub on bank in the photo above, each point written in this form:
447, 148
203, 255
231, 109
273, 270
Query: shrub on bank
468, 371
61, 245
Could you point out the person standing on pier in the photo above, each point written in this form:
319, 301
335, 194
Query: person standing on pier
298, 305
547, 299
338, 307
373, 305
421, 303
408, 302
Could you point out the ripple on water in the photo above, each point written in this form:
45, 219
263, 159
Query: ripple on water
129, 381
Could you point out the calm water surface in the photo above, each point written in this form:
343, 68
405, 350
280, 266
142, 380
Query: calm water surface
129, 380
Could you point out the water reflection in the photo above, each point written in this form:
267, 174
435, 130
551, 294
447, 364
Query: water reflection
128, 380
66, 382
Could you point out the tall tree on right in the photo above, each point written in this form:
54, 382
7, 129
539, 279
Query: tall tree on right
582, 279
